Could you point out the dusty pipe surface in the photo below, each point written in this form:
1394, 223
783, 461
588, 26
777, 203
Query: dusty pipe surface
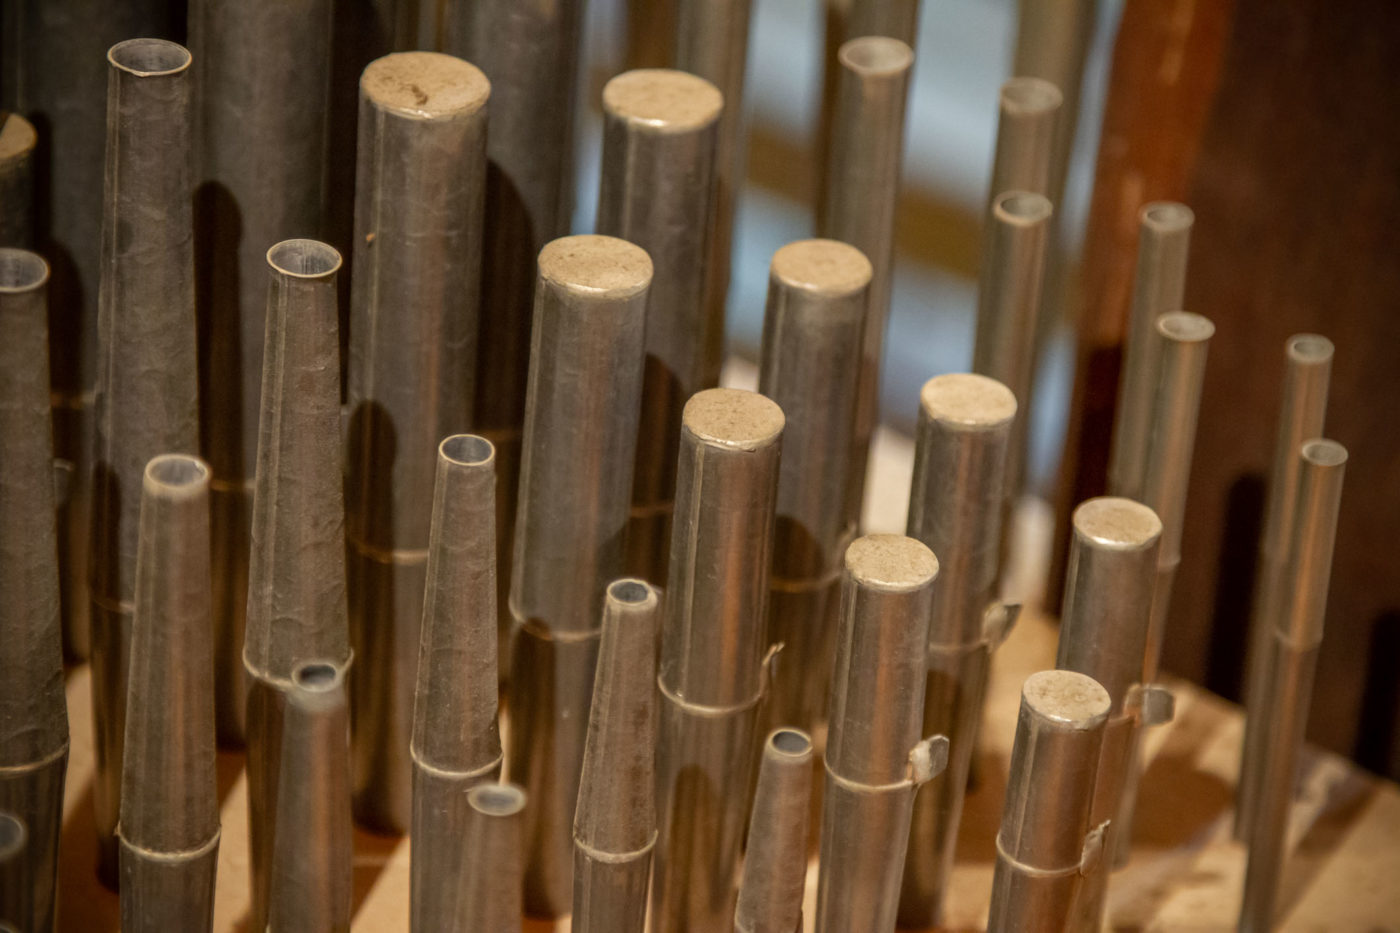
147, 388
456, 741
262, 78
1028, 111
169, 827
857, 206
775, 863
874, 759
1103, 635
296, 576
310, 886
615, 821
420, 186
495, 843
955, 508
1308, 370
33, 711
575, 488
1296, 636
658, 191
810, 365
713, 638
1046, 841
17, 142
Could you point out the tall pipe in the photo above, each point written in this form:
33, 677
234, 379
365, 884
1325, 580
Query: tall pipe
33, 710
147, 386
658, 191
419, 193
1028, 111
17, 143
775, 863
169, 827
296, 576
262, 76
810, 365
965, 425
456, 741
711, 673
575, 487
495, 840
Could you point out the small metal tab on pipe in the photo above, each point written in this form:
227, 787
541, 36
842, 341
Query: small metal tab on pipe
711, 675
456, 741
1296, 636
169, 826
1028, 111
1047, 841
955, 508
17, 142
615, 820
775, 863
496, 867
810, 365
875, 760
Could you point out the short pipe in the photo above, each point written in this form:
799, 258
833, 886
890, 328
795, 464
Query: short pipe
775, 863
1028, 110
494, 837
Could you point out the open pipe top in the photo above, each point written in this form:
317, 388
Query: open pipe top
793, 744
663, 100
467, 450
318, 676
149, 58
1166, 217
1028, 96
631, 592
425, 85
1021, 208
496, 799
1308, 349
823, 267
304, 259
21, 271
1185, 327
876, 56
176, 476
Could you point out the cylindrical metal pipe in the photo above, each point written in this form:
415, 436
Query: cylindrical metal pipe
309, 889
1301, 416
965, 424
169, 827
1052, 42
17, 142
495, 844
873, 750
658, 191
1296, 635
262, 75
775, 864
296, 574
810, 365
615, 821
419, 193
857, 206
1028, 112
34, 717
147, 386
711, 674
1047, 840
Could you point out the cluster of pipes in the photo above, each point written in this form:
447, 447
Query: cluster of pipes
330, 584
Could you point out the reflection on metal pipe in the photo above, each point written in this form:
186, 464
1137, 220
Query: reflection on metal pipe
1028, 113
1052, 42
775, 864
495, 843
17, 142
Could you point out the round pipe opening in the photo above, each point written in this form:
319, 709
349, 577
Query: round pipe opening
149, 57
303, 258
318, 676
496, 799
467, 449
791, 742
629, 591
21, 270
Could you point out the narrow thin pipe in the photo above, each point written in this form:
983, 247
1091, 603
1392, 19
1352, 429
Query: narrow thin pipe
33, 710
169, 828
775, 863
147, 387
456, 741
711, 674
615, 820
1028, 112
17, 142
419, 193
16, 880
810, 365
495, 874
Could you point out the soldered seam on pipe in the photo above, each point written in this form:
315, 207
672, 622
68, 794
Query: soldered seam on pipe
652, 509
533, 628
616, 858
1036, 872
710, 712
113, 603
906, 783
452, 773
403, 556
32, 766
180, 855
804, 584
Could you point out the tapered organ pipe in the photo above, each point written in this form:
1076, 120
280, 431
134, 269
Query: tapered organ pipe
964, 430
16, 882
147, 386
615, 820
711, 675
262, 74
33, 710
775, 862
495, 869
419, 193
169, 826
1046, 841
296, 576
810, 365
17, 142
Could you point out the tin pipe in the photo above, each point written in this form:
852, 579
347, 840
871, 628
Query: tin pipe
775, 863
575, 487
262, 73
615, 821
1296, 637
810, 365
1307, 374
495, 840
1028, 111
17, 142
857, 205
456, 741
169, 828
16, 883
955, 508
418, 234
296, 574
310, 886
33, 710
711, 673
1052, 42
658, 191
1047, 839
147, 385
